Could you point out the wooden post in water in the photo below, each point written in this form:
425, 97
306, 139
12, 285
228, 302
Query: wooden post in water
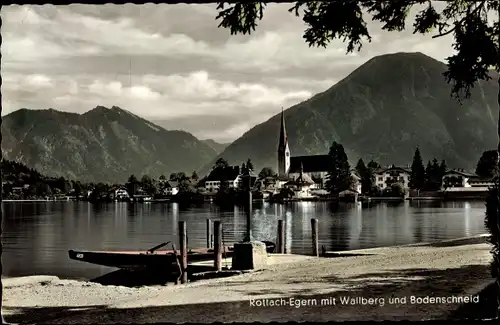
281, 237
217, 245
209, 233
177, 263
183, 244
314, 229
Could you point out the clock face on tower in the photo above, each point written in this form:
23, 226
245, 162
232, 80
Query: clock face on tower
287, 154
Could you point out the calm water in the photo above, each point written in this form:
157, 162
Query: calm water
37, 235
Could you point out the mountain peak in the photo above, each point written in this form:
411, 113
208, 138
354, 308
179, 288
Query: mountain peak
103, 144
98, 109
382, 111
403, 58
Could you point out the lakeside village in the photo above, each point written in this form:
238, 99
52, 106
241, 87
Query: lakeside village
316, 177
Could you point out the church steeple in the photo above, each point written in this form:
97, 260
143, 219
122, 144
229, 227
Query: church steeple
283, 137
283, 149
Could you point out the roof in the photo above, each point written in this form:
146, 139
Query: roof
391, 168
477, 179
460, 172
303, 179
227, 173
355, 174
171, 184
311, 164
283, 178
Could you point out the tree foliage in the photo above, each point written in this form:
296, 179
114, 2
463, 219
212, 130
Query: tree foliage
132, 185
373, 165
221, 163
492, 204
417, 175
487, 166
178, 176
339, 172
394, 190
434, 174
367, 177
476, 39
249, 164
266, 172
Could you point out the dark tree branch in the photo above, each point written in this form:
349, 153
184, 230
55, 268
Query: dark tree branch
480, 6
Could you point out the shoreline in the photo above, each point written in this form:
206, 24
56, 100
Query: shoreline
451, 267
279, 201
469, 240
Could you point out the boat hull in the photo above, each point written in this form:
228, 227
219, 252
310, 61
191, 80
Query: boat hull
163, 260
131, 260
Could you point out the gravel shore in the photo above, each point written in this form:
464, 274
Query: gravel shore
309, 287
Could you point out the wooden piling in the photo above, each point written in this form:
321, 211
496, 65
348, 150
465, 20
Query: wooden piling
209, 233
183, 248
314, 229
217, 245
281, 237
177, 262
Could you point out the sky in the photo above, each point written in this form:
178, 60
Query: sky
171, 63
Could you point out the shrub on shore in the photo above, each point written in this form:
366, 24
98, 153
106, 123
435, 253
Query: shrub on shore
491, 223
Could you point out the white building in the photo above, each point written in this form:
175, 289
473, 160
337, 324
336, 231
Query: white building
356, 186
385, 177
232, 175
301, 186
171, 188
119, 193
455, 180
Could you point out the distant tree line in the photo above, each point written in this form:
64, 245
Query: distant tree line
20, 182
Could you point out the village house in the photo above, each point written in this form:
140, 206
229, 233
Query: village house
231, 174
385, 177
269, 183
301, 185
170, 188
119, 193
355, 188
456, 180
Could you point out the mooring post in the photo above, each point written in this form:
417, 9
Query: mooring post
183, 244
281, 237
314, 229
177, 263
209, 233
217, 245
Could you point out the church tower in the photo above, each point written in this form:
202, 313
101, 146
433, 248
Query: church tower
283, 149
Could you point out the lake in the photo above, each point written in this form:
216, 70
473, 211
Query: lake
38, 235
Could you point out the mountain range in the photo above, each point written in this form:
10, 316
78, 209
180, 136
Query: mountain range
218, 147
101, 145
383, 110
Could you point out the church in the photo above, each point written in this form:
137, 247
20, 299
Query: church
316, 166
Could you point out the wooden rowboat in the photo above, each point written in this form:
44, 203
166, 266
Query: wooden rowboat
152, 259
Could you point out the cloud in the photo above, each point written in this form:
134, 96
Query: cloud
171, 62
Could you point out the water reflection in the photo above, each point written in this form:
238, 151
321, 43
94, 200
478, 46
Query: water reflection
37, 235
